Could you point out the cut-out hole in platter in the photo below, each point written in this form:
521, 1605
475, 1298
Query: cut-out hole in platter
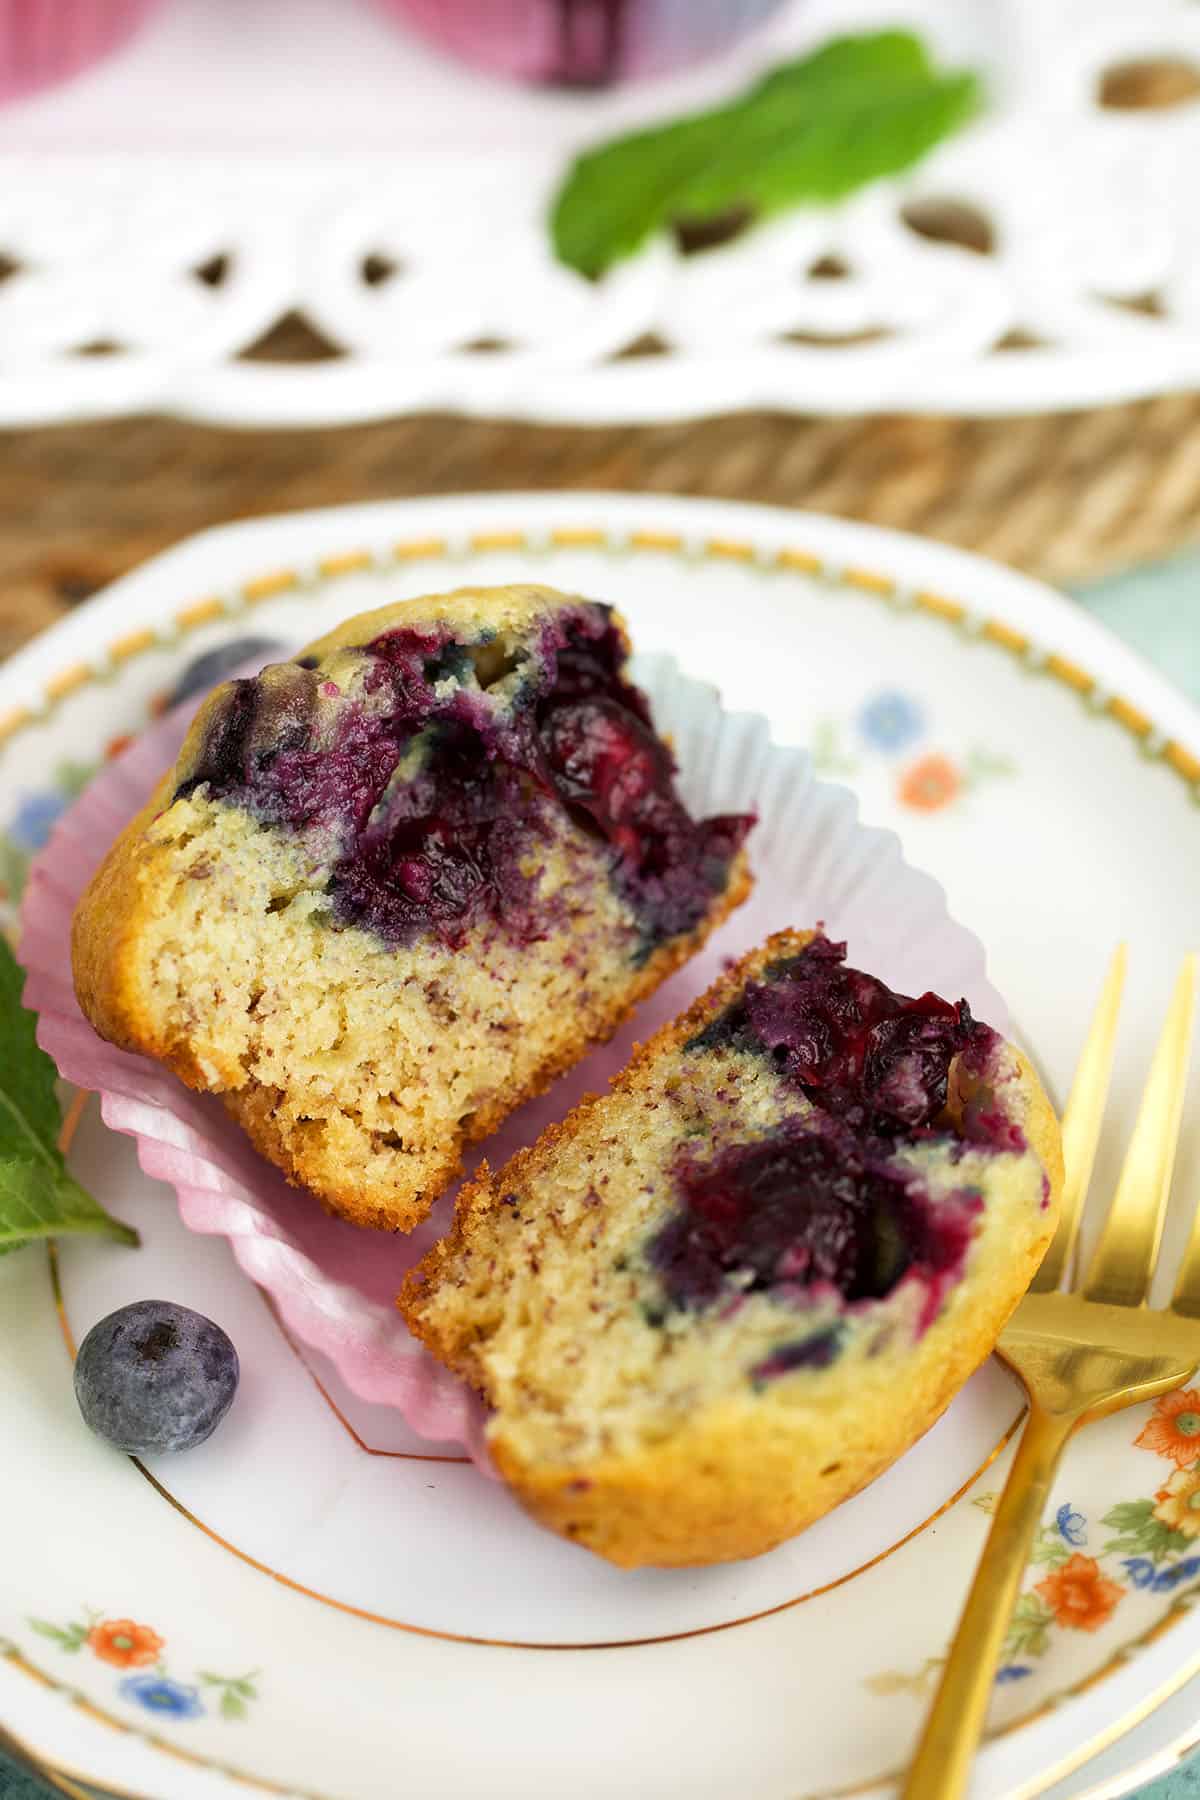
1149, 82
649, 344
828, 268
946, 220
1149, 305
837, 340
695, 235
1020, 339
215, 271
9, 266
377, 270
292, 339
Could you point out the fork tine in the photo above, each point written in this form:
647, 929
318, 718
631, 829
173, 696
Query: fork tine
1124, 1259
1186, 1298
1081, 1124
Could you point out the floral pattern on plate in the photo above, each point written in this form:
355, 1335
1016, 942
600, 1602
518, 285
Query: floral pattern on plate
127, 1645
1079, 1592
894, 725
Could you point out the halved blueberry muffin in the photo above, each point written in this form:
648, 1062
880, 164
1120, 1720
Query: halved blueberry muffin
390, 889
715, 1302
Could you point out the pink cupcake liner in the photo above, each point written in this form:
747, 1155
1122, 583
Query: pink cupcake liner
334, 1285
45, 41
329, 1293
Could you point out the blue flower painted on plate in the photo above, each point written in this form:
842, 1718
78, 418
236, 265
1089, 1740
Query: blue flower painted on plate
1168, 1579
160, 1695
1013, 1672
1071, 1524
37, 813
891, 721
1140, 1570
35, 817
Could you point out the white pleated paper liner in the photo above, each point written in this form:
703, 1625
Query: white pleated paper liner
335, 1285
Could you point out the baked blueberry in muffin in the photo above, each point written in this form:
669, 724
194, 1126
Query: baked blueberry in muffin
391, 888
715, 1302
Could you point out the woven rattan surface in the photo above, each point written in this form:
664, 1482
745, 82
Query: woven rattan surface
1069, 496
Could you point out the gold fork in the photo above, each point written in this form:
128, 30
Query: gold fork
1080, 1354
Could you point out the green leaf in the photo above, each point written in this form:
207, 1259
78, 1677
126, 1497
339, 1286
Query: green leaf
813, 130
30, 1118
14, 867
826, 751
1028, 1631
69, 1637
982, 765
1049, 1549
1157, 1541
38, 1198
1129, 1515
1140, 1533
71, 777
235, 1691
36, 1202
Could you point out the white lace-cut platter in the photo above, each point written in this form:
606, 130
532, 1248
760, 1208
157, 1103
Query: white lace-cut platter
318, 1604
177, 202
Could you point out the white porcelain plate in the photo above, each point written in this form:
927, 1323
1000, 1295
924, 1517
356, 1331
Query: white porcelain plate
301, 1606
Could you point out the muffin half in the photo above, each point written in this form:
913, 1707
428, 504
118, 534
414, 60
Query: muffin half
391, 888
720, 1299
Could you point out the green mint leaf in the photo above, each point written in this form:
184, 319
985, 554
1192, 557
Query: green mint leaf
38, 1198
37, 1202
813, 130
30, 1118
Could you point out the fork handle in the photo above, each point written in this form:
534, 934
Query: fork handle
941, 1768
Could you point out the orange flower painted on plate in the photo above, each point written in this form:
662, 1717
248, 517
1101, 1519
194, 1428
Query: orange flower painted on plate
1078, 1595
124, 1644
930, 784
1173, 1428
1178, 1503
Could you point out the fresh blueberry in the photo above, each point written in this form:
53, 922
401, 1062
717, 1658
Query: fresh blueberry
204, 672
154, 1376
